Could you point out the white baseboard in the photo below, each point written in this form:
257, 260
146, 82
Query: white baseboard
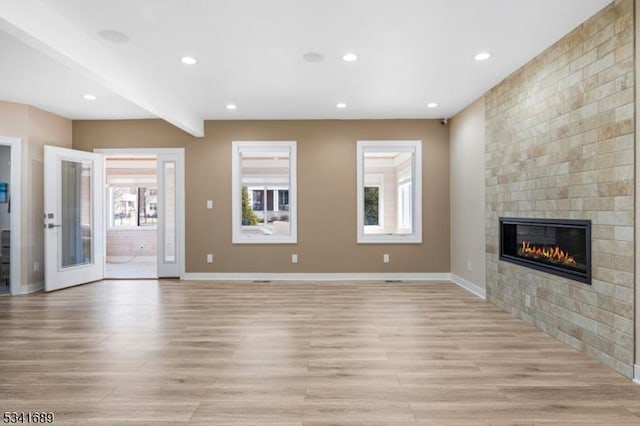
469, 286
231, 276
31, 288
636, 374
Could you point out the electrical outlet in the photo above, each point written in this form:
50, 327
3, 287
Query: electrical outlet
209, 258
36, 266
209, 204
527, 300
294, 258
468, 266
385, 258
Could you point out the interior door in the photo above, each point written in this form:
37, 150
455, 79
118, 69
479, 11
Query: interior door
74, 228
170, 214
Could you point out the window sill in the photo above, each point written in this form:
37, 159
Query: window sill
389, 239
270, 240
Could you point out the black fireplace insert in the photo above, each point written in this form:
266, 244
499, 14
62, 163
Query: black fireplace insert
557, 246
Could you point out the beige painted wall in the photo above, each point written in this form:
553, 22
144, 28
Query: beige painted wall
326, 192
36, 128
14, 120
468, 193
90, 134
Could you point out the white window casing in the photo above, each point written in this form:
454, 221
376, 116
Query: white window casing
270, 167
398, 165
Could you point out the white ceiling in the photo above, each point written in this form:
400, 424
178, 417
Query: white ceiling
249, 52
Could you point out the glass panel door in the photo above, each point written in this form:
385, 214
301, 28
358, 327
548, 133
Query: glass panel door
169, 248
76, 218
73, 220
170, 214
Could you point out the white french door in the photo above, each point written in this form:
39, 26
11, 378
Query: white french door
73, 218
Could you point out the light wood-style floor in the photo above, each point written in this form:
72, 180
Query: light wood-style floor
131, 270
169, 352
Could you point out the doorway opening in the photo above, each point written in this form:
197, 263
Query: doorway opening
5, 219
10, 214
131, 204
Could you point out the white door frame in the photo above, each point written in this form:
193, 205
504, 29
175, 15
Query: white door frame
180, 187
15, 191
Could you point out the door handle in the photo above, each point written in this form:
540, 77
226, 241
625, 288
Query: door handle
51, 225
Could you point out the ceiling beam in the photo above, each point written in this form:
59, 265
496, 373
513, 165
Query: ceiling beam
34, 23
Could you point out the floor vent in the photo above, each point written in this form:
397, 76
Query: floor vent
261, 281
392, 281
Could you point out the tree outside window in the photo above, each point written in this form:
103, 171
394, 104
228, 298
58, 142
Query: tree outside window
371, 206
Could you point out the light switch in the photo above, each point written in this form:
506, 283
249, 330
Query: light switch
209, 204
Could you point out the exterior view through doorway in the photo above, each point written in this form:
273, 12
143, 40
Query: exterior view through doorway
131, 212
144, 213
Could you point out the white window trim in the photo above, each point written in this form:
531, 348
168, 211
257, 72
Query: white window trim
400, 211
236, 192
414, 146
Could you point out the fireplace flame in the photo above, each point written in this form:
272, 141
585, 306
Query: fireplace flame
553, 254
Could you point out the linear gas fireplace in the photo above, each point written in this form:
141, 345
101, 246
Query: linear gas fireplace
560, 247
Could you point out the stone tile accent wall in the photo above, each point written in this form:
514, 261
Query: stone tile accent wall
560, 144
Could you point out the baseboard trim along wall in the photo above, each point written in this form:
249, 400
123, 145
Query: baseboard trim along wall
231, 276
391, 276
636, 374
469, 286
31, 288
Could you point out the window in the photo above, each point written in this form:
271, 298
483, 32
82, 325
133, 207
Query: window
372, 206
133, 206
389, 205
264, 192
283, 200
373, 202
257, 203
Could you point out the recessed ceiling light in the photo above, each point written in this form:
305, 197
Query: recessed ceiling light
90, 97
432, 105
188, 60
230, 106
341, 105
313, 57
114, 36
482, 56
349, 57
